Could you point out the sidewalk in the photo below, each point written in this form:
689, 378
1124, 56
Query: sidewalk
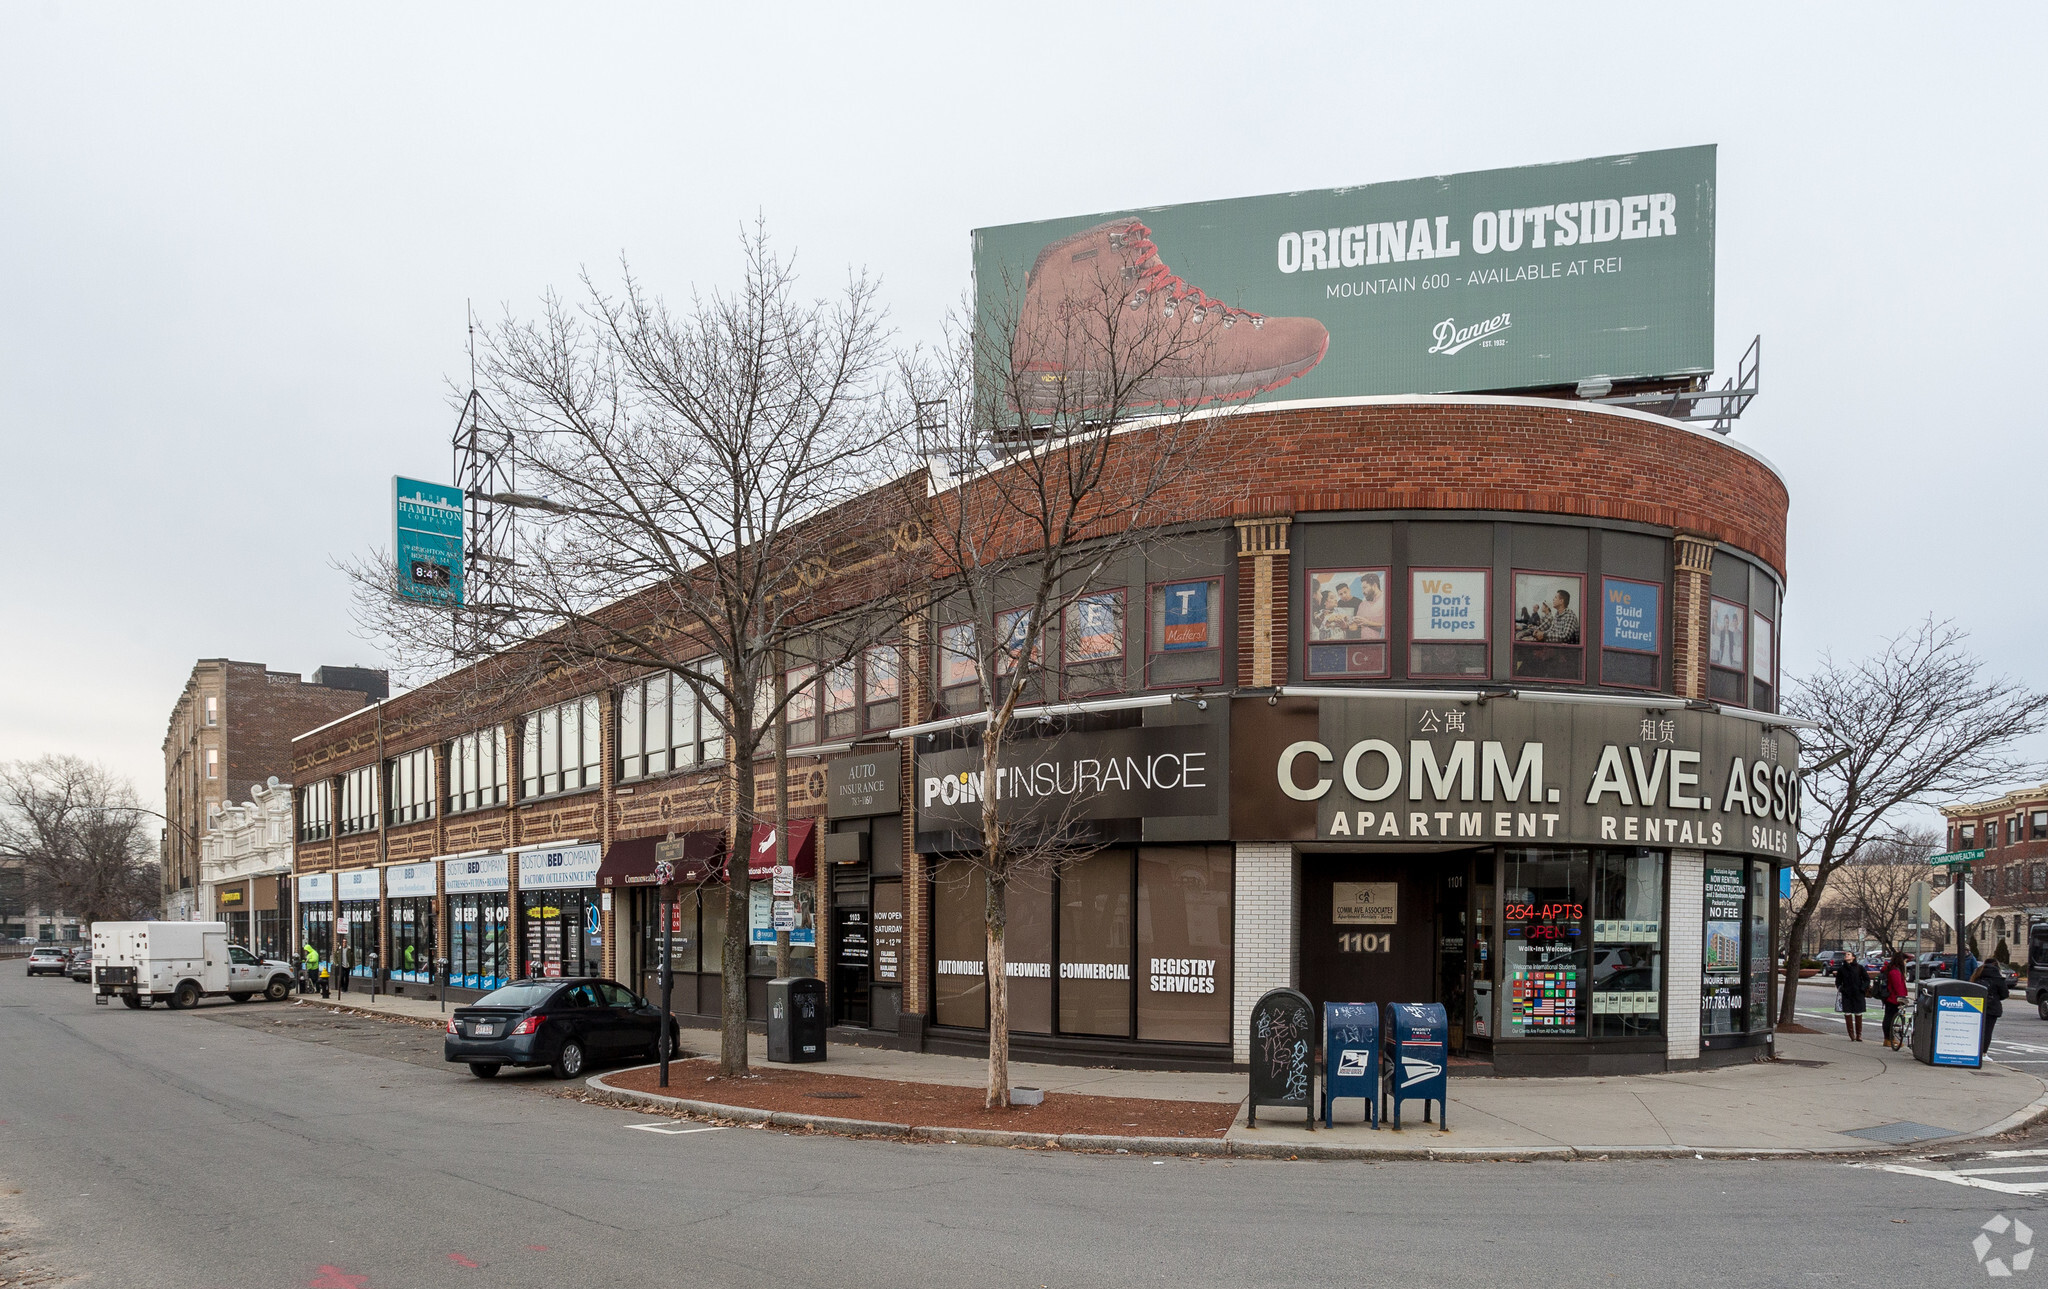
1825, 1095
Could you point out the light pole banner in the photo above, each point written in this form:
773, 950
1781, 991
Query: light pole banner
1531, 277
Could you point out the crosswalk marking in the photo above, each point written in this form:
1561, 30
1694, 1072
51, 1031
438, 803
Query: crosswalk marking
675, 1130
2030, 1189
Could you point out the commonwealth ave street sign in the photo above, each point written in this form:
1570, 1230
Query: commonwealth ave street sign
1956, 857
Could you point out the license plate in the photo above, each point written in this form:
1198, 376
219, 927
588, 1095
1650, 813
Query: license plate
486, 1031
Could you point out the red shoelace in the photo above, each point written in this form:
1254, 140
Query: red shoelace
1154, 277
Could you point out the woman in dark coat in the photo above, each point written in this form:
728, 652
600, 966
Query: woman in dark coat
1852, 985
1992, 978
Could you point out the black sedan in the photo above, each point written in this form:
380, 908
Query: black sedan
564, 1024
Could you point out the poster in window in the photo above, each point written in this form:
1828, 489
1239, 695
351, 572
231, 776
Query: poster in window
1347, 604
1632, 616
956, 655
1013, 630
1095, 628
1724, 636
1760, 647
1547, 608
1449, 604
1184, 619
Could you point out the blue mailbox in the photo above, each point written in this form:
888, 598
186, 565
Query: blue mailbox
1419, 1058
1351, 1058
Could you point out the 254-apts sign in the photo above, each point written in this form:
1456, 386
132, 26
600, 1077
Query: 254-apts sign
1497, 279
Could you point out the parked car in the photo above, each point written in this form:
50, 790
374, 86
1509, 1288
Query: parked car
47, 960
564, 1024
81, 966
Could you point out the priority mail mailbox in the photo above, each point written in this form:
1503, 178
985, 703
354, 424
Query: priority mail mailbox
1283, 1027
1419, 1058
1351, 1058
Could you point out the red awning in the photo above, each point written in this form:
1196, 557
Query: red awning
631, 862
803, 850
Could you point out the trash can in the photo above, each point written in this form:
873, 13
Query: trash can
1420, 1058
1948, 1023
796, 1019
1283, 1036
1351, 1058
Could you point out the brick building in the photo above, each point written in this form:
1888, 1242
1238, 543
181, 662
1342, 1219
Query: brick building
229, 732
2012, 831
1561, 823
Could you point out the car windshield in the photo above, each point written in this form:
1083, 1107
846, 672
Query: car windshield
521, 995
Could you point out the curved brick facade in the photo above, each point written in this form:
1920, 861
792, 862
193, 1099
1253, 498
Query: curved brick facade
1511, 454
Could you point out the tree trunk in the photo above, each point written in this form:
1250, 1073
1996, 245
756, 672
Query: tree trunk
1795, 953
732, 1009
998, 994
781, 818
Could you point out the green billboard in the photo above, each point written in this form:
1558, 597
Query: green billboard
1490, 281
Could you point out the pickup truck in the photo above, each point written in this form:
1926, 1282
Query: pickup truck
178, 963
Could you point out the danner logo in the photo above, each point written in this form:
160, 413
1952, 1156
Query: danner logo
1450, 337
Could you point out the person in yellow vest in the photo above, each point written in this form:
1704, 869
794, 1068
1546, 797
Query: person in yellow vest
309, 972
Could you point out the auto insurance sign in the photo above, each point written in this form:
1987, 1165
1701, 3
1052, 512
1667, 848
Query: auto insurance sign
1492, 280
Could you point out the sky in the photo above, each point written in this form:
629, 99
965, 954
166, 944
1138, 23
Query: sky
237, 243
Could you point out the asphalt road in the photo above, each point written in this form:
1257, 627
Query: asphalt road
263, 1145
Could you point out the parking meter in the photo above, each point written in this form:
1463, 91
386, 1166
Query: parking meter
441, 972
1420, 1058
1351, 1058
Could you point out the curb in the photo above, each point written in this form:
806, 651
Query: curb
400, 1017
1224, 1147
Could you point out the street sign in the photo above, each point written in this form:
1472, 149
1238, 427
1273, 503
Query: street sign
784, 878
784, 914
1956, 857
1917, 896
1974, 906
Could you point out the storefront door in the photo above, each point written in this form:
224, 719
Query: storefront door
1368, 928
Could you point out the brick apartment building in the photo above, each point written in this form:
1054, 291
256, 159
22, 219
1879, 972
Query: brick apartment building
231, 730
2012, 831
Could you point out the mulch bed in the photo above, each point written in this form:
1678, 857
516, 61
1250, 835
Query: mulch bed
929, 1104
1794, 1027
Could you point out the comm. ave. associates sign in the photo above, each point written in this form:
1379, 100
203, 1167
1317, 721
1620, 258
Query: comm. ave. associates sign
1493, 280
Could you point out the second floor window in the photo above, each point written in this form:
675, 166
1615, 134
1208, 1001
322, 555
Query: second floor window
560, 747
212, 709
1969, 836
359, 800
213, 763
412, 786
316, 811
664, 725
477, 769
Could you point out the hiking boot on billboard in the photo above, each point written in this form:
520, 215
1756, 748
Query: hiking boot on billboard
1106, 323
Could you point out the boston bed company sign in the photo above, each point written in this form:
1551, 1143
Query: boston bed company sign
1382, 772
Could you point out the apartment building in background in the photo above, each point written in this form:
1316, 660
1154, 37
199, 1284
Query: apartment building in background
230, 731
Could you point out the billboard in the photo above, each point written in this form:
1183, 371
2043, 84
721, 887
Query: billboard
427, 540
1489, 281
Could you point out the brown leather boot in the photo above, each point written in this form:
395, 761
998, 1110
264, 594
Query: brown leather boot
1105, 323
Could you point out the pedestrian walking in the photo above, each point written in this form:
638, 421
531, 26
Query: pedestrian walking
1852, 989
309, 969
1894, 983
1992, 977
344, 962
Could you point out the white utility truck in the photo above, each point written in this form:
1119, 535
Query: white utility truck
178, 963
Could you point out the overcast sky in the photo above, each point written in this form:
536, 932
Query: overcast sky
236, 243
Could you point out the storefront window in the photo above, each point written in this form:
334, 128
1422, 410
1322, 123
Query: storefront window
270, 931
711, 956
1027, 944
1095, 946
803, 937
1184, 944
1721, 1001
316, 927
412, 938
562, 936
1545, 956
479, 940
1628, 937
959, 946
238, 927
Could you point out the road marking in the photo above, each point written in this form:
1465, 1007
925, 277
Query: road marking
2030, 1189
1988, 1172
669, 1130
461, 1261
335, 1278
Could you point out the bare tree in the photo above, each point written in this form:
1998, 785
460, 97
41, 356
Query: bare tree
1874, 890
1917, 724
700, 484
1063, 435
80, 837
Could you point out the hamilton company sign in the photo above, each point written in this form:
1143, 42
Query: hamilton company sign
1506, 772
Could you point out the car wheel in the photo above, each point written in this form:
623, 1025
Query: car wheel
131, 1002
280, 989
484, 1069
569, 1061
185, 995
2042, 1006
675, 1048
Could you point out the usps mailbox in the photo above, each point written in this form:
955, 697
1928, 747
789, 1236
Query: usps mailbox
1351, 1058
1419, 1058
